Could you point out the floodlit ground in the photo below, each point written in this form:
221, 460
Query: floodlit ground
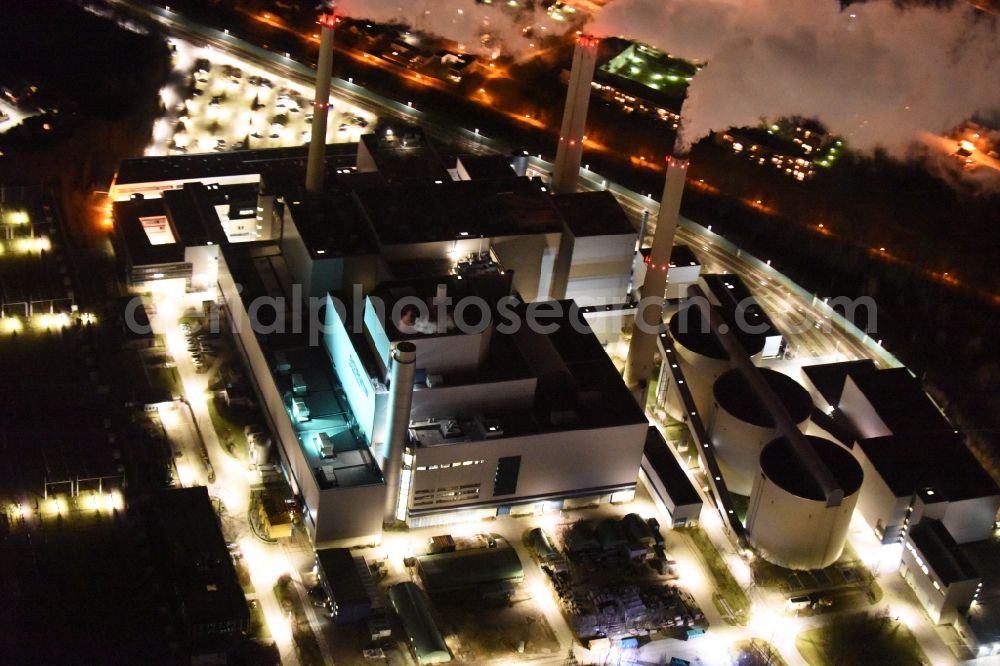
11, 116
217, 102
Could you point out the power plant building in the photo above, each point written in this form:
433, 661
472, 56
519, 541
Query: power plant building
492, 413
916, 463
740, 425
791, 520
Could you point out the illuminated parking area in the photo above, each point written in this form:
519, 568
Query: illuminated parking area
11, 116
233, 104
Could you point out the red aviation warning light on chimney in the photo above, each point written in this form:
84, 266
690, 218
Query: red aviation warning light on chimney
321, 101
569, 154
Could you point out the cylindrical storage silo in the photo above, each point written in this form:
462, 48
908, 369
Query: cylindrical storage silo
740, 426
790, 522
703, 358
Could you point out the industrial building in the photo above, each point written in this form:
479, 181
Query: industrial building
794, 520
205, 588
943, 579
702, 357
491, 413
422, 633
668, 482
916, 463
348, 584
740, 425
470, 568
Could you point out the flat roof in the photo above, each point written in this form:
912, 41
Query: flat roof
733, 393
669, 470
258, 268
941, 552
341, 573
332, 225
404, 153
578, 386
593, 214
901, 401
130, 232
329, 415
780, 464
938, 460
828, 378
200, 564
424, 212
648, 73
490, 287
682, 255
601, 398
229, 163
480, 167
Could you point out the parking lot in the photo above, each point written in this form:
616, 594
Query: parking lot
216, 102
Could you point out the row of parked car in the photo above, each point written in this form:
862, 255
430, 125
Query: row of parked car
200, 345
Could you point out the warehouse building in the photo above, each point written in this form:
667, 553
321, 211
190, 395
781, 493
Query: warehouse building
422, 633
668, 482
206, 590
937, 571
348, 584
470, 568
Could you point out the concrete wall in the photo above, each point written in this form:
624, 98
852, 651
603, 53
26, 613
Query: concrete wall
878, 504
350, 517
943, 602
607, 324
351, 372
443, 402
700, 373
737, 446
680, 514
523, 255
449, 354
155, 189
971, 520
204, 260
600, 269
856, 407
552, 464
679, 278
794, 532
293, 460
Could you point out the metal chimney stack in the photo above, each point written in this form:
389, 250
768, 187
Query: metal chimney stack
639, 364
404, 369
569, 154
321, 105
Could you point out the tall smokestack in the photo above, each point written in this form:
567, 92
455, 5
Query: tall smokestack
404, 368
569, 154
639, 364
321, 105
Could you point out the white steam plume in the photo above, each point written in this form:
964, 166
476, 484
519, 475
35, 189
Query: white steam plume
873, 73
462, 21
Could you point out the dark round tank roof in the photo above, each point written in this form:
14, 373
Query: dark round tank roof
733, 393
688, 328
780, 464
